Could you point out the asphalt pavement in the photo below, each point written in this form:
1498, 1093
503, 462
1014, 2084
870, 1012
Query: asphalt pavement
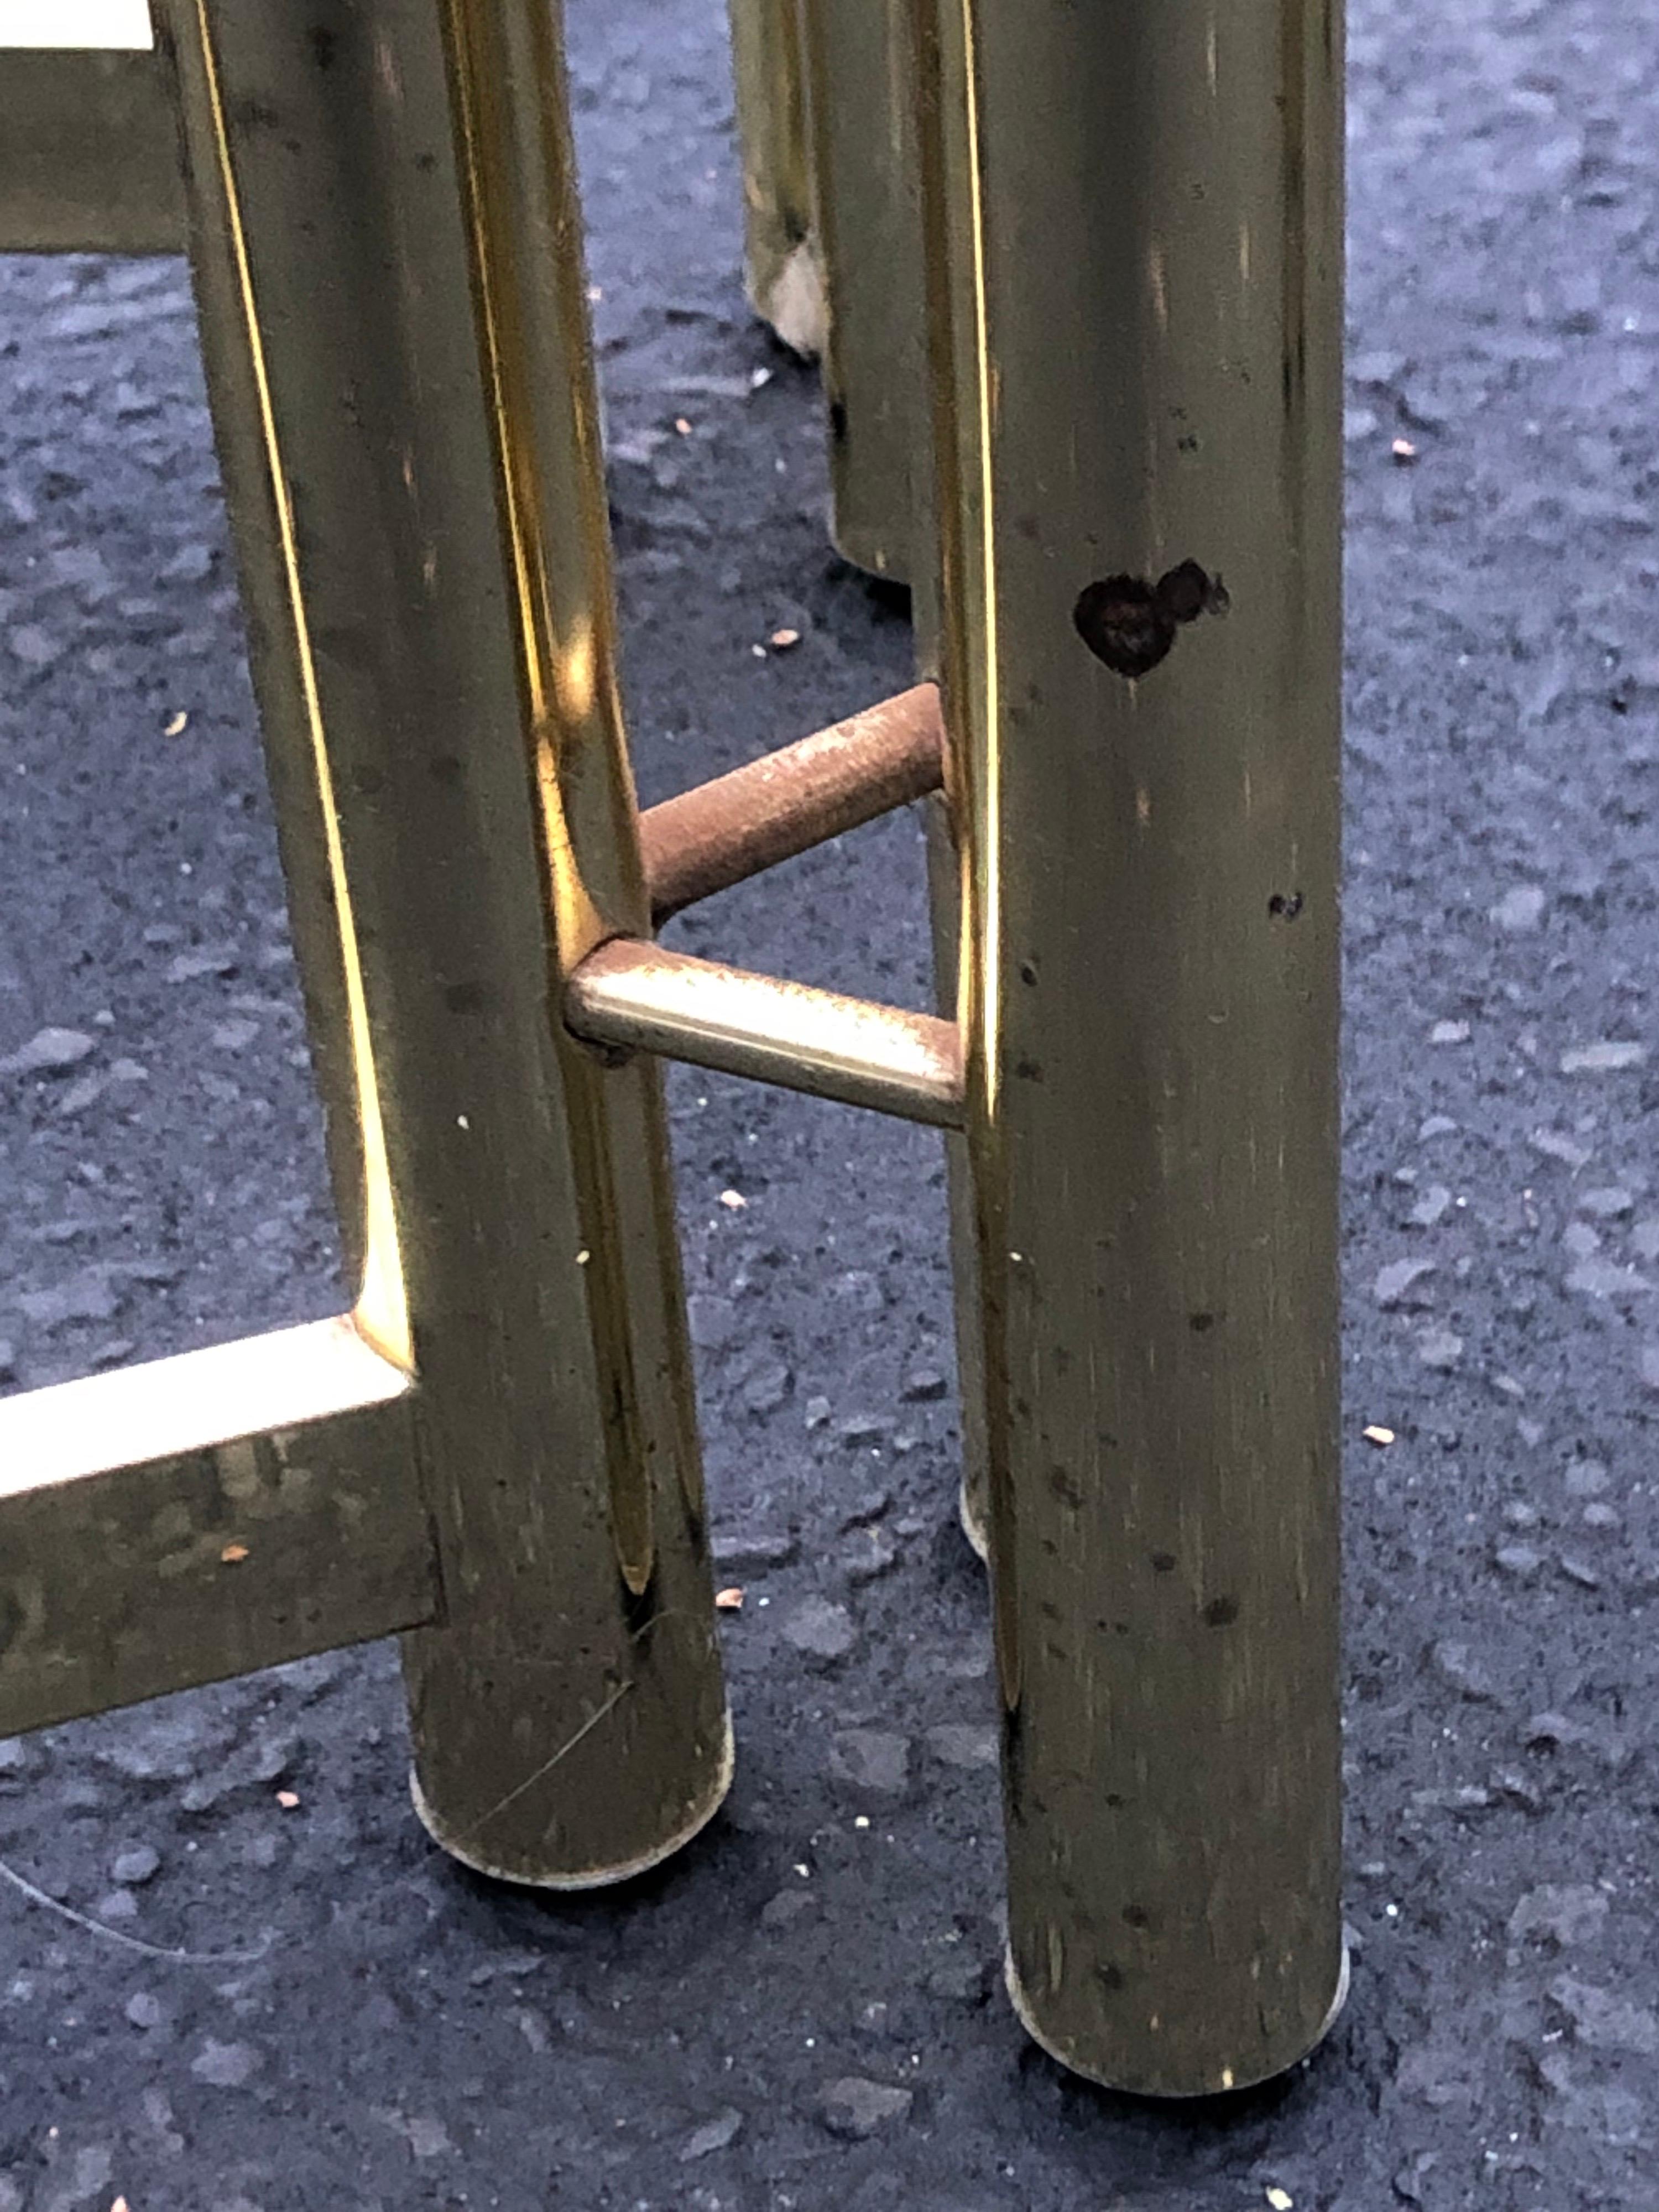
803, 2010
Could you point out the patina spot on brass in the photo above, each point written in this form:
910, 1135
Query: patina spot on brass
1131, 624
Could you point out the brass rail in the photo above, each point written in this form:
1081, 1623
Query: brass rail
88, 154
199, 1516
646, 999
836, 780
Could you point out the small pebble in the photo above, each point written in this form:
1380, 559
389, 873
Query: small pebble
1567, 1913
959, 1975
190, 967
866, 1554
1433, 1206
1519, 1789
754, 1548
787, 1905
1455, 1664
854, 2108
863, 1429
34, 646
1521, 910
144, 2010
226, 2065
1556, 1145
86, 1296
1439, 1348
1603, 2021
85, 1090
872, 1758
965, 1743
1397, 1280
1607, 1057
717, 2134
819, 1627
1449, 1033
49, 1052
1606, 1279
1611, 1203
767, 1387
139, 1863
1519, 1560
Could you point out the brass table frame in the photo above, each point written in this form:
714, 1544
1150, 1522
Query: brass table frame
1128, 498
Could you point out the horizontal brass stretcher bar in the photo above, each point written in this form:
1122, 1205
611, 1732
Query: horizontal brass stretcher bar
640, 996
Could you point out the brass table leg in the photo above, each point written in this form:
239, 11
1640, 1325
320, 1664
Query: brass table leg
783, 269
867, 223
407, 423
1133, 220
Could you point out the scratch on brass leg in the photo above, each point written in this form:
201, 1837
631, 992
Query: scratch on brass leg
547, 1766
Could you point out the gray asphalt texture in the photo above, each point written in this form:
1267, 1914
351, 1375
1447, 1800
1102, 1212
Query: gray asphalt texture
802, 2011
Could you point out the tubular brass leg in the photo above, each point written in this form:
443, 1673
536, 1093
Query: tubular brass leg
860, 132
1134, 229
406, 415
783, 268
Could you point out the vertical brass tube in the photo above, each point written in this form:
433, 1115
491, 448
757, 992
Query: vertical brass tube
866, 220
1132, 217
388, 266
782, 268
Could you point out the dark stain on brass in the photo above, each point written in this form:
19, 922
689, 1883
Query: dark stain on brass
1284, 905
1067, 1488
1130, 624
